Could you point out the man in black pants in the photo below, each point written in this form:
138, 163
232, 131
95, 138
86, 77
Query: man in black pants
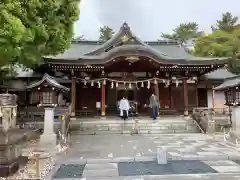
124, 108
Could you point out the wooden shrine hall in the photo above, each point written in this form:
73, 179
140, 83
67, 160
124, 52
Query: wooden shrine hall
100, 73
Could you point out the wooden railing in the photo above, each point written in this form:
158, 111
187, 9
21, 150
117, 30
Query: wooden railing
36, 114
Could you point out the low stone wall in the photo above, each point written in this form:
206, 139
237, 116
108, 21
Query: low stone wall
212, 120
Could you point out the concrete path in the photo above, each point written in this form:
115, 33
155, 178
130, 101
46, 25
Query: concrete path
101, 153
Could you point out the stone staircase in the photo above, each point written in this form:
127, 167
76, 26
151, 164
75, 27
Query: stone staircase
164, 125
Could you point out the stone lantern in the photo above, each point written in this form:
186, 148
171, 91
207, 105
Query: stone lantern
48, 89
231, 88
8, 111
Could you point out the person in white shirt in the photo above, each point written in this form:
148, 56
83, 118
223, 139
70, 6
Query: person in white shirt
124, 108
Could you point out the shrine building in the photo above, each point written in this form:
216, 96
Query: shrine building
99, 74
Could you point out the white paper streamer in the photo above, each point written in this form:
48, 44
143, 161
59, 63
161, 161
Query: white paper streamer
130, 86
99, 84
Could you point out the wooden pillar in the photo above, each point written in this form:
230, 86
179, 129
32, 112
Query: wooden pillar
170, 95
213, 97
103, 99
185, 96
73, 100
196, 94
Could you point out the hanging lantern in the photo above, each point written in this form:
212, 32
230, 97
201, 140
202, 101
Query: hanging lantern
148, 85
92, 83
142, 84
116, 84
99, 84
104, 82
112, 85
130, 86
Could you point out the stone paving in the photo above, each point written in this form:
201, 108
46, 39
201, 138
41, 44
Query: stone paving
102, 154
179, 146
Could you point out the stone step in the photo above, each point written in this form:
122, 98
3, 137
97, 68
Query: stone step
178, 125
91, 132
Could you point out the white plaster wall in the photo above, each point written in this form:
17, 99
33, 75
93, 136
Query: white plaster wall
210, 98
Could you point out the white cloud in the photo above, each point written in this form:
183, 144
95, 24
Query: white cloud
149, 18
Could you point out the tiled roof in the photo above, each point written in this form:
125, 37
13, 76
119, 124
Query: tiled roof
96, 52
229, 83
219, 74
51, 80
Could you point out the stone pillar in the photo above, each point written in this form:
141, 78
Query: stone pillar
234, 134
236, 119
210, 121
103, 96
73, 100
48, 137
185, 96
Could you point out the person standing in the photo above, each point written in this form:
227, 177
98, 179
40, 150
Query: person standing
154, 105
124, 108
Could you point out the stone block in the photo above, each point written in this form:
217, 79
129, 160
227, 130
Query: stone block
48, 139
100, 173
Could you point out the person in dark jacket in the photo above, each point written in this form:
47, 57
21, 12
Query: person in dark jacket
154, 105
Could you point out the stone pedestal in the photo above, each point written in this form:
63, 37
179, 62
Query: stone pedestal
161, 156
48, 138
234, 135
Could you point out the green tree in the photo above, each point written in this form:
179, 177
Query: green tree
105, 33
227, 23
221, 44
184, 32
35, 28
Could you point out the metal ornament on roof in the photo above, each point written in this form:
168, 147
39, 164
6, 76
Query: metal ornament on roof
132, 59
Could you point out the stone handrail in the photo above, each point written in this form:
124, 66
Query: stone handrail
210, 119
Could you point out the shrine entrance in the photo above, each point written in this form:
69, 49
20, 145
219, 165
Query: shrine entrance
128, 94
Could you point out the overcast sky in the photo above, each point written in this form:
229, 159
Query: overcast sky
149, 18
